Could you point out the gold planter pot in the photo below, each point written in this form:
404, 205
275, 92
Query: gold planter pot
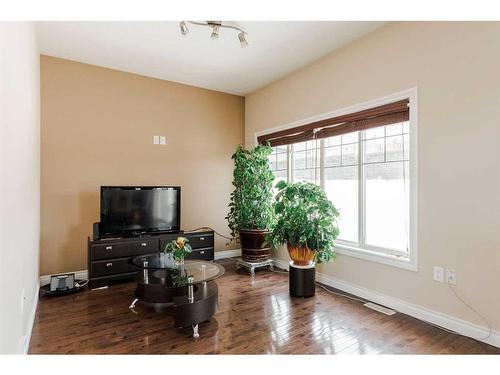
301, 256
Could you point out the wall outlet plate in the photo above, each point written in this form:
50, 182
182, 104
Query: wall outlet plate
438, 274
162, 140
451, 277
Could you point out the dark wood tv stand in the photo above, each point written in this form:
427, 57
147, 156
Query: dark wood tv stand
109, 259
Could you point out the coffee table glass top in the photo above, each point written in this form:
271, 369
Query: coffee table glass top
191, 272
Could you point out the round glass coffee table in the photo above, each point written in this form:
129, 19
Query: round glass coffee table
189, 287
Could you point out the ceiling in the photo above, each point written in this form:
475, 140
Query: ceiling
157, 49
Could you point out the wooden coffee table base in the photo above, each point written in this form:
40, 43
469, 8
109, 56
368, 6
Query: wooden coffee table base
189, 309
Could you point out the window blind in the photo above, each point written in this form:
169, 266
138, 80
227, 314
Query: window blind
370, 118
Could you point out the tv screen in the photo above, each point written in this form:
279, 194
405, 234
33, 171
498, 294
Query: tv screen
128, 210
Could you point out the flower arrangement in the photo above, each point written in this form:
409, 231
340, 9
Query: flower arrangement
178, 248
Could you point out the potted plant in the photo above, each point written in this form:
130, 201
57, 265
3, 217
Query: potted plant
306, 221
178, 248
250, 209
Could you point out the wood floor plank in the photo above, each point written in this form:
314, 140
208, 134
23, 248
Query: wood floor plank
255, 316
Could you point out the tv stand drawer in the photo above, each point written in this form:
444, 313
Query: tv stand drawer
112, 249
197, 240
111, 267
206, 253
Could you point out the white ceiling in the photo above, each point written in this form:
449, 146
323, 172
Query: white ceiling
157, 49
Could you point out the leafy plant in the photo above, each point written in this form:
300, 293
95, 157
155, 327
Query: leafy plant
305, 218
251, 201
178, 247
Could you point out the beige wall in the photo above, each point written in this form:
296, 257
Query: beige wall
456, 67
19, 183
97, 129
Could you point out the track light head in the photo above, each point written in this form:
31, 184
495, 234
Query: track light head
215, 32
184, 28
243, 41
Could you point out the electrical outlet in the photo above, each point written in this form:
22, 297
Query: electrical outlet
438, 274
162, 140
451, 277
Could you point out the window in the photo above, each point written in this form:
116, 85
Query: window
366, 173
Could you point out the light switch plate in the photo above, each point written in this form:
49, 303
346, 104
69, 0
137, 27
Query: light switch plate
438, 274
156, 139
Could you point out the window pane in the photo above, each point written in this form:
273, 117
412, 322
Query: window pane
272, 161
374, 150
394, 148
332, 141
306, 162
341, 187
279, 164
395, 129
299, 159
350, 154
374, 133
332, 156
282, 160
305, 175
350, 138
387, 205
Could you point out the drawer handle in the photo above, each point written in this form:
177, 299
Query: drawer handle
144, 244
109, 247
109, 264
202, 238
202, 252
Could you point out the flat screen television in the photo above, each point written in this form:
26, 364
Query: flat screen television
135, 210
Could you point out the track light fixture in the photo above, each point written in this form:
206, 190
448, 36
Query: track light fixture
184, 28
216, 26
215, 32
243, 41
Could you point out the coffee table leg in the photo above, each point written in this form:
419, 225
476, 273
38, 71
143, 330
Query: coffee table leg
195, 331
132, 305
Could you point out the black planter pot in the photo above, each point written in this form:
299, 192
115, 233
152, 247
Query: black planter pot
252, 242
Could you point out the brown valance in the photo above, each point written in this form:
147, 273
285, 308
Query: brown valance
387, 114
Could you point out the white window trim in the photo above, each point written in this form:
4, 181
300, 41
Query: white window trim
409, 262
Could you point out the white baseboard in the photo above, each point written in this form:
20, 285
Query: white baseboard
460, 326
82, 275
227, 254
24, 341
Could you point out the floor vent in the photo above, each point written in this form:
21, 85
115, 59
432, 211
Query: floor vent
383, 310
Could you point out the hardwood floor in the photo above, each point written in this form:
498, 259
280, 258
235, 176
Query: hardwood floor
255, 316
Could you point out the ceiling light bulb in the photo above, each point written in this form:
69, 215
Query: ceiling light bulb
243, 41
184, 28
215, 32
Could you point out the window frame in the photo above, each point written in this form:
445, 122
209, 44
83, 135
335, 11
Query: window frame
370, 252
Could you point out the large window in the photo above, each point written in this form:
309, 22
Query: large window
366, 173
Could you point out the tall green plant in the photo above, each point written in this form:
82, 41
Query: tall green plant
251, 201
305, 218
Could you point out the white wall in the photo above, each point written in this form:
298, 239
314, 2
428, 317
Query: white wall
19, 183
456, 67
